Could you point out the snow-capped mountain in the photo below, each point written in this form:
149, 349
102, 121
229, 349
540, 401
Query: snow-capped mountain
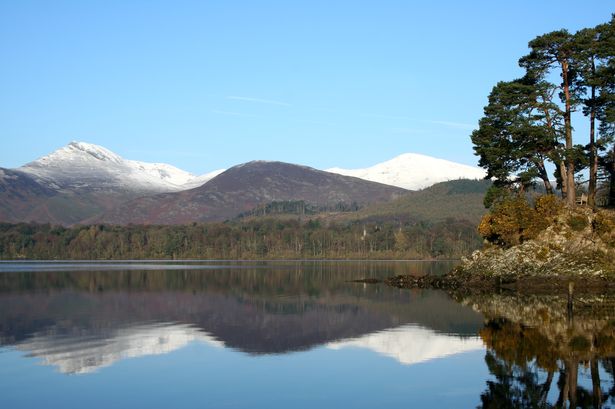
197, 181
85, 183
411, 344
81, 165
87, 354
413, 171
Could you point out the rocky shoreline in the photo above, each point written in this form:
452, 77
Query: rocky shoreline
578, 247
537, 285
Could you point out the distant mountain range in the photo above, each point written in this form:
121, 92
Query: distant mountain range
243, 187
86, 183
413, 171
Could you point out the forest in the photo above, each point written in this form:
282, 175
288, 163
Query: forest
264, 238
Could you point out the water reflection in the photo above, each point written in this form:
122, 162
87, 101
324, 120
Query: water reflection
412, 345
85, 353
548, 350
81, 321
505, 350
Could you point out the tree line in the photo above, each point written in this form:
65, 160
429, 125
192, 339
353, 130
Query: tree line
527, 128
297, 207
266, 238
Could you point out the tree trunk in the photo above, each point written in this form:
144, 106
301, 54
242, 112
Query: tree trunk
593, 157
542, 169
544, 176
611, 170
571, 196
546, 387
573, 373
596, 390
564, 384
564, 181
593, 172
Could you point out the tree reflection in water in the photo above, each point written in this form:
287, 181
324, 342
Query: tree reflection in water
541, 349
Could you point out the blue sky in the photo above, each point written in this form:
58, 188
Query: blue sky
209, 84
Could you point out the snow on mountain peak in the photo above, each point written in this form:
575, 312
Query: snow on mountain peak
413, 171
98, 152
86, 165
85, 354
411, 344
82, 164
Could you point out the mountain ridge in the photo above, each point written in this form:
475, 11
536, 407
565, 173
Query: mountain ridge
413, 171
85, 165
87, 183
245, 186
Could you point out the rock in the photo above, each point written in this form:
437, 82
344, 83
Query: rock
571, 248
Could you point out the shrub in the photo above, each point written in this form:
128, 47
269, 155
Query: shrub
512, 220
604, 226
577, 222
549, 206
579, 344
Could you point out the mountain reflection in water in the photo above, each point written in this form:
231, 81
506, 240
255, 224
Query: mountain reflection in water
80, 321
511, 350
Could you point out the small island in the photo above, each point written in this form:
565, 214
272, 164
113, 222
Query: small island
535, 248
543, 233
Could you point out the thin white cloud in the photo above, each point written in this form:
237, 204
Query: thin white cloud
258, 100
456, 125
409, 131
404, 118
450, 124
232, 113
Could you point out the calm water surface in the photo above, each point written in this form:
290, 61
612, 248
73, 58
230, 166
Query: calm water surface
290, 334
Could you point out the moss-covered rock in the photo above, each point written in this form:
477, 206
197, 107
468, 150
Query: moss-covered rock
577, 243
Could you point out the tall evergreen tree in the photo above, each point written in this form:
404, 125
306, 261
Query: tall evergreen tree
550, 51
593, 49
519, 133
586, 43
524, 126
606, 103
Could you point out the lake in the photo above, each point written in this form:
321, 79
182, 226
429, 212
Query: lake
298, 334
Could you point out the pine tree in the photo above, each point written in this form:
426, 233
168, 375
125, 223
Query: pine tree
519, 132
550, 51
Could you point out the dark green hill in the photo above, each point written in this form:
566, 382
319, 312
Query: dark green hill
458, 199
245, 187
